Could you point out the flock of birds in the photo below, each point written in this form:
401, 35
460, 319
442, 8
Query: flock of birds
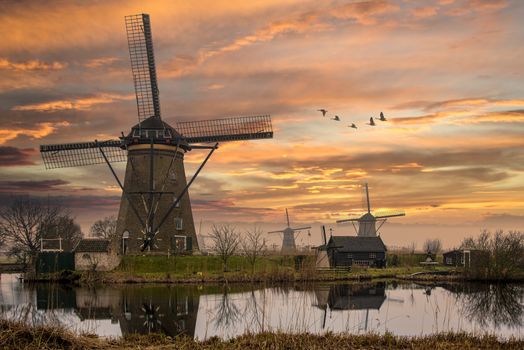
353, 125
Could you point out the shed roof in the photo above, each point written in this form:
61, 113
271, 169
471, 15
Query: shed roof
357, 244
92, 245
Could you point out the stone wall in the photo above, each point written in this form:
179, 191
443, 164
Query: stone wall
85, 261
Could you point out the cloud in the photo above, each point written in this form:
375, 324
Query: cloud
29, 186
31, 65
425, 12
364, 12
101, 61
40, 130
82, 103
12, 156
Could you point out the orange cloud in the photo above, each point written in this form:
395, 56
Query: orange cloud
364, 12
40, 130
84, 103
101, 61
424, 12
31, 65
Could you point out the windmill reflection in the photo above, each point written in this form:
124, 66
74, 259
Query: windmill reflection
350, 297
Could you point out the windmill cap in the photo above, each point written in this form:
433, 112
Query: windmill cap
141, 132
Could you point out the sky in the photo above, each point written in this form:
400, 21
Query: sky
446, 73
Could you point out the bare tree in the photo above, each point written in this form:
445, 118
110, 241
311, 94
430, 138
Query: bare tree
104, 228
433, 246
25, 221
65, 228
253, 246
225, 242
412, 247
503, 253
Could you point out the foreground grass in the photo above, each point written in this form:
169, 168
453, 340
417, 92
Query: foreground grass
18, 336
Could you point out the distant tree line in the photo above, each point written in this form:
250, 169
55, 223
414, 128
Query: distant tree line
503, 256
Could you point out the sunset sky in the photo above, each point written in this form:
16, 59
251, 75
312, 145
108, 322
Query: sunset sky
448, 74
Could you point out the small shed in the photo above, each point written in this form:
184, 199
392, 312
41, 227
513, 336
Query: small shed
464, 257
95, 254
356, 250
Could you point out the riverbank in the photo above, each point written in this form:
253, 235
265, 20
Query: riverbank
270, 269
18, 336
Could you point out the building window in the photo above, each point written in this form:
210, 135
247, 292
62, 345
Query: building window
86, 257
372, 255
361, 262
350, 256
179, 244
178, 224
125, 242
449, 261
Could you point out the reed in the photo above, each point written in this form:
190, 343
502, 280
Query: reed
19, 336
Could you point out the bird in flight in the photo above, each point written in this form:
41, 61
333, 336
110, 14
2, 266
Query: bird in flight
324, 111
371, 122
353, 126
336, 118
382, 118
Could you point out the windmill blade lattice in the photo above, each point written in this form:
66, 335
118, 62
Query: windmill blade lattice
227, 129
140, 43
81, 153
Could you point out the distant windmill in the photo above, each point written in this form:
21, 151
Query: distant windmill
367, 221
288, 239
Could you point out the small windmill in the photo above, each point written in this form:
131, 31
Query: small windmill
288, 236
155, 210
367, 223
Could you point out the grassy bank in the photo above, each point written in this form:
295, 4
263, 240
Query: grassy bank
187, 269
202, 269
18, 336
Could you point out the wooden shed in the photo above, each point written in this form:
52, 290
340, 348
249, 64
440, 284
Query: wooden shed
356, 250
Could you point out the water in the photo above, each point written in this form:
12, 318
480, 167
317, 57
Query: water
227, 311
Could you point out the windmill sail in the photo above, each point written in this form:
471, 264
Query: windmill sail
140, 43
83, 153
227, 129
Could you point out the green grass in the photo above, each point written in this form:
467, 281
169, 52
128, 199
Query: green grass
190, 265
268, 268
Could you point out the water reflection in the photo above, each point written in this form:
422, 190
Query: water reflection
227, 311
492, 305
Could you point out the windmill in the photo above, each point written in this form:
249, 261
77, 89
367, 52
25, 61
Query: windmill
288, 236
155, 210
367, 222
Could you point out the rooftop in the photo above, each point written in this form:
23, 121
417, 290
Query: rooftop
357, 244
92, 245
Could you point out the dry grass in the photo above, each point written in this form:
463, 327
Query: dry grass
17, 336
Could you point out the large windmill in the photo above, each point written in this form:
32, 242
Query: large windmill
155, 210
367, 223
288, 236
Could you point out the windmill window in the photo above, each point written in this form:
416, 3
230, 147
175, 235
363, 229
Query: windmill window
136, 133
178, 223
167, 133
174, 199
125, 242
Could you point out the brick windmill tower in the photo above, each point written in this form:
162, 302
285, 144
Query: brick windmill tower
155, 210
